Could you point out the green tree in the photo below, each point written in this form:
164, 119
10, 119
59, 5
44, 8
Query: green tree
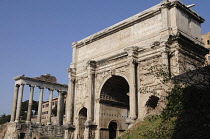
4, 118
24, 109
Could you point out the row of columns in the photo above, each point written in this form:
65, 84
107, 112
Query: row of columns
17, 102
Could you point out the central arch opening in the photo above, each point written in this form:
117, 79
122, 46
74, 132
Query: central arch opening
114, 106
115, 92
82, 119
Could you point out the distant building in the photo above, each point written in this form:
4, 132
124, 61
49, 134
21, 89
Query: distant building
206, 41
45, 109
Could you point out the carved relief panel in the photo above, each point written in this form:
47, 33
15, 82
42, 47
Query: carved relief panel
81, 89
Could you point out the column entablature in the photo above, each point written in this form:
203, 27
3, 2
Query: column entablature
39, 83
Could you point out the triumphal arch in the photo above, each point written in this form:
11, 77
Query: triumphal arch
110, 69
111, 84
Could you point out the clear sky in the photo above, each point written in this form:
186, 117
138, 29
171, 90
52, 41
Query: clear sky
36, 35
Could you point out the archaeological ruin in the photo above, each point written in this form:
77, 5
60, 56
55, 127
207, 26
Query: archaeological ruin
110, 83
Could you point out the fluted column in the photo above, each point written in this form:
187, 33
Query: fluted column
91, 65
14, 103
50, 107
30, 103
60, 108
132, 55
20, 97
70, 98
39, 117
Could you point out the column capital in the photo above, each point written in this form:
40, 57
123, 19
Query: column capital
41, 87
91, 64
61, 92
50, 89
132, 51
31, 86
71, 73
71, 70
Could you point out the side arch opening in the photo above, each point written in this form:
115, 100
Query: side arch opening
82, 119
112, 130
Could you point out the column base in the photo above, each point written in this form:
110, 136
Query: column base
88, 123
130, 122
49, 123
28, 122
17, 121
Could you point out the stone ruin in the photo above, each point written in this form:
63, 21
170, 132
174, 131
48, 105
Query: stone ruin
110, 84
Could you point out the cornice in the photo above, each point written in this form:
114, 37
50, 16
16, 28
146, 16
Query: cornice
183, 7
22, 77
119, 26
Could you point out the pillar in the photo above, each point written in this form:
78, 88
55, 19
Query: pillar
50, 107
132, 55
70, 98
39, 117
20, 97
91, 75
30, 103
14, 102
132, 92
60, 108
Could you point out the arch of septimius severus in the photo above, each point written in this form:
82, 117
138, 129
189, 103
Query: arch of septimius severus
109, 78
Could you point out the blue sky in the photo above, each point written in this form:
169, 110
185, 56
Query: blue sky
36, 35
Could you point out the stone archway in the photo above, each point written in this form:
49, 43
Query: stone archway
115, 91
82, 119
112, 130
22, 135
114, 105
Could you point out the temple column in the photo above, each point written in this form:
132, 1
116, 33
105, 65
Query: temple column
60, 108
14, 103
30, 103
39, 117
20, 97
132, 55
50, 107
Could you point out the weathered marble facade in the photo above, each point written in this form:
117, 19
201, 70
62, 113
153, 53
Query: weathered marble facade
111, 85
110, 79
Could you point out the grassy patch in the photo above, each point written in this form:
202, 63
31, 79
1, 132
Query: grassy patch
141, 129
